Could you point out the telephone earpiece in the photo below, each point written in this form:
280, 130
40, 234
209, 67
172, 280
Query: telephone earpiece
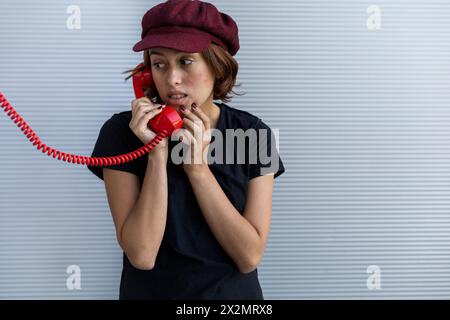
141, 81
168, 119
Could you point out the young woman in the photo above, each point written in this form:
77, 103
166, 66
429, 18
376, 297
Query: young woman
195, 229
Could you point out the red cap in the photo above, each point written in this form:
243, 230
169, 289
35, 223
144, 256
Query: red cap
188, 26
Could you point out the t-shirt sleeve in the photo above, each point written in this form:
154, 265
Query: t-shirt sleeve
266, 158
114, 139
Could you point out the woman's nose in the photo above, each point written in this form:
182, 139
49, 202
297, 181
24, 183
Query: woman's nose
174, 77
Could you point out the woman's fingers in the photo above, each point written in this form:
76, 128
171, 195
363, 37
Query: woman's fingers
143, 105
137, 102
148, 115
195, 126
198, 123
201, 115
195, 119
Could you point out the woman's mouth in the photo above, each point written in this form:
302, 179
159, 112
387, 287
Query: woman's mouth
177, 99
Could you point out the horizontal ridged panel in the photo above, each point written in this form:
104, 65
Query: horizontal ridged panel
364, 135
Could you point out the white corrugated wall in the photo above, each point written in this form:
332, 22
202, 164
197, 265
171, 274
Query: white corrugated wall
364, 127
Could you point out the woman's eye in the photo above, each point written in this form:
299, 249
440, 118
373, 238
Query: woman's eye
156, 64
189, 61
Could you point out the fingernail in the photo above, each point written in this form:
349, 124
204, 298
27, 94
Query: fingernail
160, 107
182, 108
194, 105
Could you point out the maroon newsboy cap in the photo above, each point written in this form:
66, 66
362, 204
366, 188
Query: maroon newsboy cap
189, 26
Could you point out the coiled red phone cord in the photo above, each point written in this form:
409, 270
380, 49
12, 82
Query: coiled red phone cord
72, 158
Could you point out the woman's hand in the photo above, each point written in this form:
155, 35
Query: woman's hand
197, 136
142, 111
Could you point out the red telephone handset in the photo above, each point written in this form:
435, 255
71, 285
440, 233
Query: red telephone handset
163, 124
168, 119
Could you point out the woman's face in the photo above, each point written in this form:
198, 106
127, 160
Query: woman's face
181, 78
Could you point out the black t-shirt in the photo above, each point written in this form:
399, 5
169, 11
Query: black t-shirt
191, 264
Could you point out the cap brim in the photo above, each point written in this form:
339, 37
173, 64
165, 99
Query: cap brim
185, 42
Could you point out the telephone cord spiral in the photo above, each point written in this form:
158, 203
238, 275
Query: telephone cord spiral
72, 158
